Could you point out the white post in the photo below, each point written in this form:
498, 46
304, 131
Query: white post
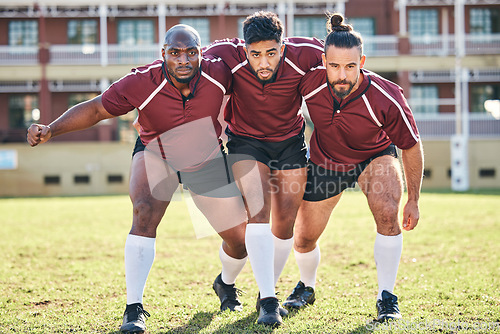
282, 13
103, 22
162, 26
459, 142
402, 17
290, 17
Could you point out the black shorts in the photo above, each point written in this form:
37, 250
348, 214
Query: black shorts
214, 179
324, 183
287, 154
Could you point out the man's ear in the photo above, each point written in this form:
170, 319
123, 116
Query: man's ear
362, 61
163, 53
323, 59
282, 49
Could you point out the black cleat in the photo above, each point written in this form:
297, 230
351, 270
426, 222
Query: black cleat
134, 319
269, 314
387, 307
301, 296
228, 295
283, 312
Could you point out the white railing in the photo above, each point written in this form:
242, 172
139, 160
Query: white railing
137, 54
381, 45
92, 54
444, 45
475, 75
18, 55
443, 125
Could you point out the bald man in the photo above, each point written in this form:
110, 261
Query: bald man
175, 97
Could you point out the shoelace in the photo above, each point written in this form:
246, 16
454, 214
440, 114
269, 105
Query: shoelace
143, 311
269, 306
233, 292
389, 306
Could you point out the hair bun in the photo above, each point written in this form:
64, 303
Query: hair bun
336, 23
336, 20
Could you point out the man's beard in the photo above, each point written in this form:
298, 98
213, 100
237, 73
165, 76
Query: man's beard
268, 81
341, 94
181, 80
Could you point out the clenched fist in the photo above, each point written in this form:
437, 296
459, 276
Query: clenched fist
38, 134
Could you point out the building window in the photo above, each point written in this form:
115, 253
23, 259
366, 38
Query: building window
424, 99
82, 32
23, 33
482, 93
310, 27
76, 98
23, 110
484, 20
366, 27
423, 22
202, 25
135, 32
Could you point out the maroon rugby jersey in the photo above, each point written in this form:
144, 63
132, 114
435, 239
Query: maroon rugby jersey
269, 112
186, 129
352, 130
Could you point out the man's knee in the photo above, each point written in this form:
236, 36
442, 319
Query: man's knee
147, 215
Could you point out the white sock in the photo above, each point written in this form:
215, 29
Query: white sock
282, 249
260, 248
308, 264
231, 267
387, 253
139, 257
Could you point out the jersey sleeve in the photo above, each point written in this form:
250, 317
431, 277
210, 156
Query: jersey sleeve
114, 99
399, 123
229, 50
305, 51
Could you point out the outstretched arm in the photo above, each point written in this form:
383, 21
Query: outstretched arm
413, 165
79, 117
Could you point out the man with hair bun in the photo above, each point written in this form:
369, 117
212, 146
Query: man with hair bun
355, 142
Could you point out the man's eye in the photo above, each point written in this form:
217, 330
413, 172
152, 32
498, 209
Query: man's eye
271, 54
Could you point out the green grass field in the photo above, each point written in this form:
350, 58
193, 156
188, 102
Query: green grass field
62, 270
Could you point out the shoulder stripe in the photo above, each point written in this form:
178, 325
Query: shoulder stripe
306, 44
237, 67
135, 71
321, 67
224, 43
215, 82
370, 110
295, 67
153, 94
314, 92
403, 115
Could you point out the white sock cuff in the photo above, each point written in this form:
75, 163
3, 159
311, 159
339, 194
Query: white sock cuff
227, 258
283, 243
308, 254
137, 240
389, 240
258, 228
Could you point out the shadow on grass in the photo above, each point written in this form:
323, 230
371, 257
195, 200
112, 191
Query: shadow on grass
198, 322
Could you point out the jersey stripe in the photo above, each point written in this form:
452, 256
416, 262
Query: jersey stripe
306, 44
223, 43
153, 94
370, 110
314, 92
135, 72
403, 115
240, 65
215, 82
295, 67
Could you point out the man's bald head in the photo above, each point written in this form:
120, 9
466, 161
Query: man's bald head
181, 32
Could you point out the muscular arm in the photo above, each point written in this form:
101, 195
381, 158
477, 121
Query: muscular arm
79, 117
413, 164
